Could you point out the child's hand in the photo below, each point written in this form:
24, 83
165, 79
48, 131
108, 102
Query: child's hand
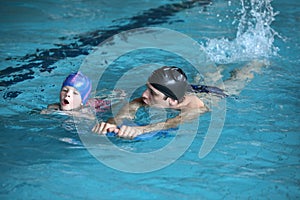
45, 111
51, 108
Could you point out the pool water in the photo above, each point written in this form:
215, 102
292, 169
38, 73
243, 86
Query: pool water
45, 157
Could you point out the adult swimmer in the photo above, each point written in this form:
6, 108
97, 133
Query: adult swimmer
167, 87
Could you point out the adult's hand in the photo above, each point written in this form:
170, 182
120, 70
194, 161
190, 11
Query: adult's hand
103, 128
130, 132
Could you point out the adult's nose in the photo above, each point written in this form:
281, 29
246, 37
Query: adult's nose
145, 94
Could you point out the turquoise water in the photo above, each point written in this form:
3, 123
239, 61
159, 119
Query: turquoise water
256, 155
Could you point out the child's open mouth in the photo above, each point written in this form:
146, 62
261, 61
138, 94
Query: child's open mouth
66, 101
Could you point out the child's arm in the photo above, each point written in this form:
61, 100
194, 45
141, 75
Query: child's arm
51, 108
54, 106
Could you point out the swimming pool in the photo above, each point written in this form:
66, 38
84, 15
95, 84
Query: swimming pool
257, 154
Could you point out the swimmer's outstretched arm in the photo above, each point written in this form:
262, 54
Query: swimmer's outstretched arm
127, 112
131, 132
240, 77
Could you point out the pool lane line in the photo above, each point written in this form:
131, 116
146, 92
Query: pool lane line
43, 60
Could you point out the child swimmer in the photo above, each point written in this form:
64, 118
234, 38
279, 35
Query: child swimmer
74, 98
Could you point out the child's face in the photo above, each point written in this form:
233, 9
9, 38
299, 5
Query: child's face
69, 98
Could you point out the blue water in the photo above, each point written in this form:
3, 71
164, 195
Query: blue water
44, 157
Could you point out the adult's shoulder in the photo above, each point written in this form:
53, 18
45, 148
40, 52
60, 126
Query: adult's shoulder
195, 102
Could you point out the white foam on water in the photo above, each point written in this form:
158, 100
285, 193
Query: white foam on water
254, 38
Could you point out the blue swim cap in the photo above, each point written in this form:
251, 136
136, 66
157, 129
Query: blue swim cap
81, 82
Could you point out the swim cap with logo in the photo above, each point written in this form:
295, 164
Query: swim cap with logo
171, 81
81, 82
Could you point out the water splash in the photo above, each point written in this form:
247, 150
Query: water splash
254, 38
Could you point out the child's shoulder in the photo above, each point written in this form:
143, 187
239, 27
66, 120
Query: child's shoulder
100, 105
51, 108
54, 106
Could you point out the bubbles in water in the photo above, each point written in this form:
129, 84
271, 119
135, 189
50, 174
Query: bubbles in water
254, 37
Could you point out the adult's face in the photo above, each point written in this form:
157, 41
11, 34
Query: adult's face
154, 97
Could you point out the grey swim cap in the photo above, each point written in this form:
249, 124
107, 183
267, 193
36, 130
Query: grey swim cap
171, 81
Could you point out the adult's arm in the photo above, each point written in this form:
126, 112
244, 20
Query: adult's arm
127, 112
131, 132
